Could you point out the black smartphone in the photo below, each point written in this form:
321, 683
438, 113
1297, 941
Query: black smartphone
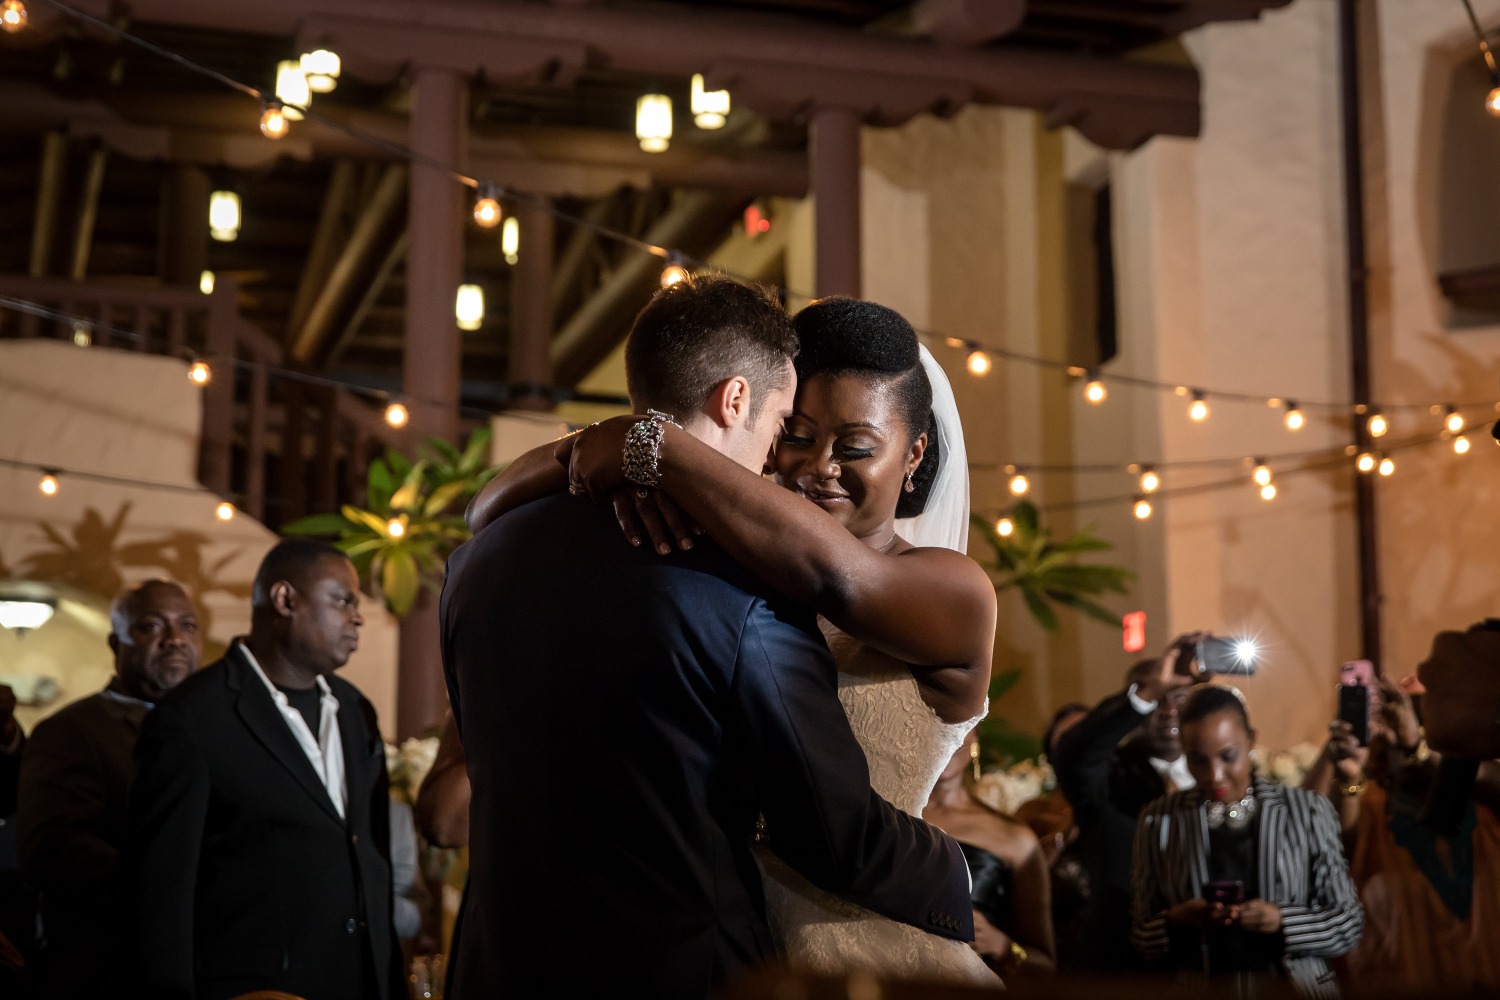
1226, 657
1230, 893
1354, 708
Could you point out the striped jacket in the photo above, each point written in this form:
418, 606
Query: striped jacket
1301, 869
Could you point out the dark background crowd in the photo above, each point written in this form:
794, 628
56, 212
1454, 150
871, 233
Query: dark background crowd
211, 831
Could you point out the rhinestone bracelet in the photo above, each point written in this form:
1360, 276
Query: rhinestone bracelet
643, 448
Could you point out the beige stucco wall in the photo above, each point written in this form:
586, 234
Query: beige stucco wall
136, 417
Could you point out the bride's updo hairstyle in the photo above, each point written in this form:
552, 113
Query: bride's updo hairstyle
844, 336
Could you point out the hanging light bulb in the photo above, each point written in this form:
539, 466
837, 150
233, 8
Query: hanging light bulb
396, 415
980, 363
1268, 491
1005, 527
1094, 391
510, 239
468, 307
273, 121
206, 282
48, 484
653, 122
1019, 484
224, 216
1454, 421
1150, 481
1295, 421
1492, 102
1461, 444
487, 211
13, 16
1198, 411
1387, 466
199, 373
1262, 474
672, 274
1365, 462
395, 527
1142, 508
710, 107
83, 335
1377, 425
321, 67
292, 89
225, 511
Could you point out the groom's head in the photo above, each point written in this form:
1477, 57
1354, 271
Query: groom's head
717, 355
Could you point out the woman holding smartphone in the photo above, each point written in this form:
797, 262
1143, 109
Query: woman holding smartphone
1241, 878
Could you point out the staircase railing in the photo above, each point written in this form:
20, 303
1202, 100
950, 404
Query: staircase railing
279, 446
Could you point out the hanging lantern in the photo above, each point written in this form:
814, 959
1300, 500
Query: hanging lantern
510, 239
468, 308
710, 107
653, 122
13, 16
292, 89
224, 216
321, 68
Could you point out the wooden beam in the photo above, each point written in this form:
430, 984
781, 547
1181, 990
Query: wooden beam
88, 212
394, 256
330, 233
575, 254
378, 218
49, 192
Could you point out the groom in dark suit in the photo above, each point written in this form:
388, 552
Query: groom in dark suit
260, 814
626, 717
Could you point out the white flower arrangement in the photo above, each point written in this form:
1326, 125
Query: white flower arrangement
408, 765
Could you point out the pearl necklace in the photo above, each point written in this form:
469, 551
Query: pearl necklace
1232, 815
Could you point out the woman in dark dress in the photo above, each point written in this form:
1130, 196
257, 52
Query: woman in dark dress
1012, 891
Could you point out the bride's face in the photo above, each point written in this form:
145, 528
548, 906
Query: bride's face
847, 449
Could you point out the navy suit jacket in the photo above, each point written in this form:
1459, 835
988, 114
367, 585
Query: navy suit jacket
625, 718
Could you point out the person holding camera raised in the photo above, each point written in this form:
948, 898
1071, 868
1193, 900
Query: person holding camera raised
1239, 877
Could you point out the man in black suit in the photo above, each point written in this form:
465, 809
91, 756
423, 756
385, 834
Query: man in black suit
75, 778
1110, 765
688, 696
259, 817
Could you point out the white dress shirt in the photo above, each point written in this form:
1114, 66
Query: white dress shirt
326, 752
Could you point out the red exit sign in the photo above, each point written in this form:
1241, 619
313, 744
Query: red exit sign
1135, 631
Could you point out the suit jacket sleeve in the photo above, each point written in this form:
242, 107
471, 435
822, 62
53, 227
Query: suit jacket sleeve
61, 810
1332, 922
1085, 753
168, 808
814, 789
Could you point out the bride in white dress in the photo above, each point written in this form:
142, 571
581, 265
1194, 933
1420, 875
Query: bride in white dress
875, 442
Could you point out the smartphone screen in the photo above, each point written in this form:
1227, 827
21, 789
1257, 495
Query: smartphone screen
1362, 672
1230, 893
1354, 708
1231, 657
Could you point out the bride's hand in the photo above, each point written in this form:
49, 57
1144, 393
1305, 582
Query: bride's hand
651, 513
595, 457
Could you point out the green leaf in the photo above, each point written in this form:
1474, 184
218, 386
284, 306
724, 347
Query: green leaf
443, 496
1087, 607
399, 581
380, 486
445, 450
374, 522
353, 549
405, 499
1002, 682
476, 451
317, 524
1040, 610
1026, 517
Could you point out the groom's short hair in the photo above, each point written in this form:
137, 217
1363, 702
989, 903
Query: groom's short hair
698, 332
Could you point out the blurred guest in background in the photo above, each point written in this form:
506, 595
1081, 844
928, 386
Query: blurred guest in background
1430, 896
75, 778
260, 813
1011, 893
1461, 709
1241, 878
1120, 756
1050, 817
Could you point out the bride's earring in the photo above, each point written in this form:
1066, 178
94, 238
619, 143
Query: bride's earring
974, 757
910, 486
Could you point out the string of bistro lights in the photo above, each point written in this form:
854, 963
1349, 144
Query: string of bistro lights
317, 72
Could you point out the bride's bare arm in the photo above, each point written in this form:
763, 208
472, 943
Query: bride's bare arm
540, 472
931, 607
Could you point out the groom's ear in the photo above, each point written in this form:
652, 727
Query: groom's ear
729, 404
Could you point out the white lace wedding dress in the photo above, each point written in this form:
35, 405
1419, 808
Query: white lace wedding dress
907, 746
